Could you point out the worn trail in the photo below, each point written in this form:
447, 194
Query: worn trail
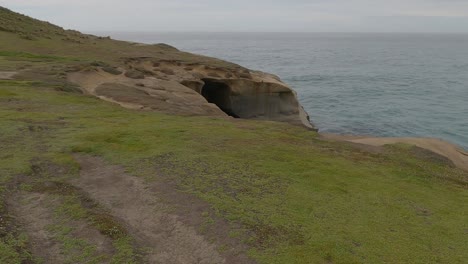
47, 231
163, 237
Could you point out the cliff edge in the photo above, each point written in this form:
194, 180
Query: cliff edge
193, 88
152, 77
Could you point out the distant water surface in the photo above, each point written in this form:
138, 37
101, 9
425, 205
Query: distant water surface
366, 84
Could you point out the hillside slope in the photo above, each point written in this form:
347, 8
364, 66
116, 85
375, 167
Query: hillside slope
83, 180
174, 82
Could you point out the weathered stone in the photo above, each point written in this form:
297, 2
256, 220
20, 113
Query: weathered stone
134, 74
197, 89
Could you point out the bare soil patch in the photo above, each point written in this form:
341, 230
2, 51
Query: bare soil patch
34, 213
7, 75
151, 222
34, 216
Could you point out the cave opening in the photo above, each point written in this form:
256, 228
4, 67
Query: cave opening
218, 93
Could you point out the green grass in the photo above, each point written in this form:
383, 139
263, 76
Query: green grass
15, 83
33, 57
81, 251
75, 250
292, 197
13, 250
26, 27
297, 198
26, 37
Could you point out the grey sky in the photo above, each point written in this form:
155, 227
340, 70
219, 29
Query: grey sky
250, 15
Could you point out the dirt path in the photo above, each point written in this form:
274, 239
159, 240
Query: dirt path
35, 213
7, 75
166, 239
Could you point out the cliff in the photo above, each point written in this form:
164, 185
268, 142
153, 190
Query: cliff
182, 180
194, 88
156, 77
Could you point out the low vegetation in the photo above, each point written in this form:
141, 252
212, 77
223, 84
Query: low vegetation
297, 198
288, 195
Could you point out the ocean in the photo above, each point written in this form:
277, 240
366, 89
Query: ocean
398, 85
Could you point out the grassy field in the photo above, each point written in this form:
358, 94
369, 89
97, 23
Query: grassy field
285, 193
298, 199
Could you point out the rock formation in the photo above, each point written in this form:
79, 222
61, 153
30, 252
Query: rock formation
194, 88
452, 152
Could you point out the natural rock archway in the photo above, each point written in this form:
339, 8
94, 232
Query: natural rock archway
193, 88
218, 93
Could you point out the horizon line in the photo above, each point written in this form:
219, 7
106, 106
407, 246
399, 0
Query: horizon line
276, 32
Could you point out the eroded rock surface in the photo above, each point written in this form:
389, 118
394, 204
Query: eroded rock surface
189, 88
455, 154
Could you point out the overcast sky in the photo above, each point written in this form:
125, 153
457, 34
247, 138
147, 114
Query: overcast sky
250, 15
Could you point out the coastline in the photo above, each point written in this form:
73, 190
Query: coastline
454, 153
128, 153
430, 105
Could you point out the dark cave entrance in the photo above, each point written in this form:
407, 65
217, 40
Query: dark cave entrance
219, 94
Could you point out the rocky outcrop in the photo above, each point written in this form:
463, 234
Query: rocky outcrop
192, 88
452, 152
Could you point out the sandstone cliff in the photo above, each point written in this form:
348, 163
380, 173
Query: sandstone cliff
194, 88
152, 77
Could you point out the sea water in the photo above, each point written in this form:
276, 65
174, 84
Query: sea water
397, 85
